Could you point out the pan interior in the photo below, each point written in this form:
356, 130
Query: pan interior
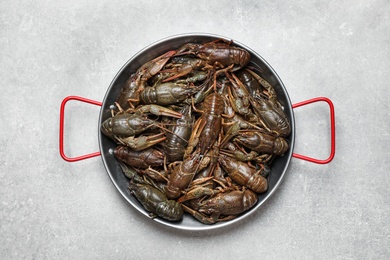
278, 166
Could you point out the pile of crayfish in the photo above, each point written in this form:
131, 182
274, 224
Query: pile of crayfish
196, 131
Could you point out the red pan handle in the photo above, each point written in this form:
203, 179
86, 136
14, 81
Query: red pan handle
332, 131
62, 113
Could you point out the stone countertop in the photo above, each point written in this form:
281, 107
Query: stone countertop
51, 209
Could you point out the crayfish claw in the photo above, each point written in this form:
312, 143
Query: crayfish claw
142, 142
159, 111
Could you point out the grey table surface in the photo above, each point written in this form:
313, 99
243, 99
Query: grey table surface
52, 209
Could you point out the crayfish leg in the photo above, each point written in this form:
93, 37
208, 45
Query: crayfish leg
193, 106
194, 139
230, 217
199, 216
233, 131
180, 72
116, 111
198, 192
131, 100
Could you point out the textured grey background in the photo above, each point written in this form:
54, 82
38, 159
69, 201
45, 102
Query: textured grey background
53, 209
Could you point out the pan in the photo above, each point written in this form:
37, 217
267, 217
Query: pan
279, 165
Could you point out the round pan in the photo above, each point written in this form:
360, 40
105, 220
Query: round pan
279, 165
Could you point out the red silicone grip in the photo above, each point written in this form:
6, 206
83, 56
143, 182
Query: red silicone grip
332, 131
62, 114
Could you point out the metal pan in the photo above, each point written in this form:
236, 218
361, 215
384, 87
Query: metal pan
279, 165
